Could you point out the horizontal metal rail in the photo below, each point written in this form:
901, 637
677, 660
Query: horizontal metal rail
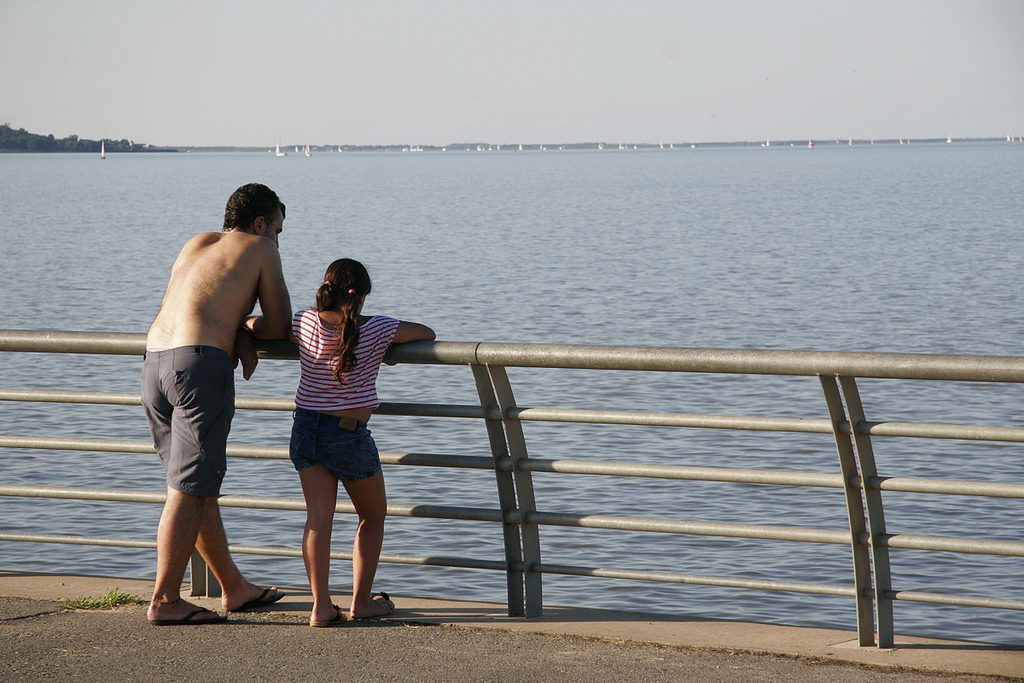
547, 568
737, 361
959, 600
953, 545
241, 402
670, 577
662, 419
596, 357
53, 443
239, 451
261, 502
947, 486
431, 560
923, 430
718, 474
667, 526
616, 469
579, 416
622, 523
78, 540
463, 513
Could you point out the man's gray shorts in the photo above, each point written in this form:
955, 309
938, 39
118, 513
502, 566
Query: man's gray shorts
188, 394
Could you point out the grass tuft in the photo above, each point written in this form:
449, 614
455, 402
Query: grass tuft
114, 598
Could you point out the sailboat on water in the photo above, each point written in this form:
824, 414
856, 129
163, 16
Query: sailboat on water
307, 152
103, 149
279, 152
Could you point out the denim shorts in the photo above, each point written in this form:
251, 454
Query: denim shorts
318, 439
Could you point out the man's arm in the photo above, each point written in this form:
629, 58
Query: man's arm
245, 352
275, 304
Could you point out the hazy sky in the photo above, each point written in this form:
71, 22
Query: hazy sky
434, 72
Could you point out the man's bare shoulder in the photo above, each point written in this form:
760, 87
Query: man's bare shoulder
201, 242
234, 241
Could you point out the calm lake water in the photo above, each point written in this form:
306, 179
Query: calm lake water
866, 248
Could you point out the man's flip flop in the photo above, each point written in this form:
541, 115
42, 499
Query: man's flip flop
267, 597
337, 620
190, 620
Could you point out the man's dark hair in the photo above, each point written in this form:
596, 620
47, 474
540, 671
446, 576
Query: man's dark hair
248, 202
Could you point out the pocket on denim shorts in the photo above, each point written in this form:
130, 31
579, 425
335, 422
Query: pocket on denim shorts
299, 446
351, 455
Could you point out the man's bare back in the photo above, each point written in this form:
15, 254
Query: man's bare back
215, 282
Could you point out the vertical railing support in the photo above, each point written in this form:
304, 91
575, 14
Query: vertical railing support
876, 514
504, 480
204, 583
854, 511
523, 480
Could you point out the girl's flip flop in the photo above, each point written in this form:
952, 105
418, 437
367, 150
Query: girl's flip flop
336, 620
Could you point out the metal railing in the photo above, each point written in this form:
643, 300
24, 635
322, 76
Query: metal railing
844, 418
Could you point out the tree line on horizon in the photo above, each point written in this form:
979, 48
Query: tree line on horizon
21, 140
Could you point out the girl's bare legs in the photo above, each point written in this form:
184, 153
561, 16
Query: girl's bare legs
320, 488
371, 502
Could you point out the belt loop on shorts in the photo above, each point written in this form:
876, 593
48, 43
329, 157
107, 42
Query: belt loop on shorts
349, 423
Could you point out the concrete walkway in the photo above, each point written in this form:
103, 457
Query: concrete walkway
435, 640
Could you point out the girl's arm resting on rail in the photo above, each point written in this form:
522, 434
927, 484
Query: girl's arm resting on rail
410, 332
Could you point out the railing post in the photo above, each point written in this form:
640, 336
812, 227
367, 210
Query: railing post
523, 480
854, 511
876, 513
204, 583
506, 491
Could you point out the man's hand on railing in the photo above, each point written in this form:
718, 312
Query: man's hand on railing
245, 351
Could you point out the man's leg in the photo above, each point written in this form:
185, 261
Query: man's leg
212, 543
180, 522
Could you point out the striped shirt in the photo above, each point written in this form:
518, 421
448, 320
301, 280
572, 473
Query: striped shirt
318, 386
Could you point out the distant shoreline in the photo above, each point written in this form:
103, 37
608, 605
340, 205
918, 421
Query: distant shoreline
22, 141
483, 147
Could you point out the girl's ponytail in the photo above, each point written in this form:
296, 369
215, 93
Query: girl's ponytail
345, 285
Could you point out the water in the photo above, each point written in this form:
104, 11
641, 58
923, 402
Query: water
868, 248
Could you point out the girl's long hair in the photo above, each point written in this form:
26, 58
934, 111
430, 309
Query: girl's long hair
345, 284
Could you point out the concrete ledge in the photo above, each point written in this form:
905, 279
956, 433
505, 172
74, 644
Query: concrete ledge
683, 632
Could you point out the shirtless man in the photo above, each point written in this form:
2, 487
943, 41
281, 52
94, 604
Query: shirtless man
188, 391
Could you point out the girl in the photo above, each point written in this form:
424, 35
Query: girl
340, 351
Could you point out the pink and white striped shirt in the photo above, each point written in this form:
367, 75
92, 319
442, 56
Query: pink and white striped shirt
318, 386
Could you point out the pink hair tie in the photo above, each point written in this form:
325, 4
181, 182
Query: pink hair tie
327, 282
351, 291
